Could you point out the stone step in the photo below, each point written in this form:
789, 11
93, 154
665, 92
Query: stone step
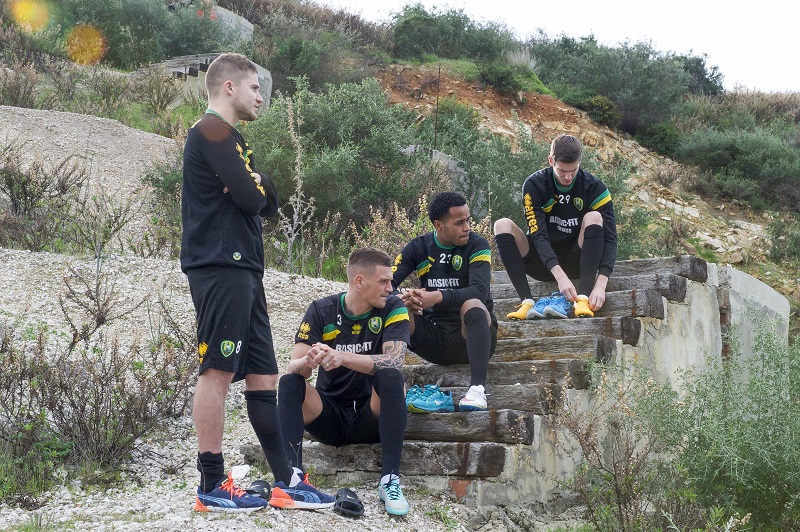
623, 328
692, 268
564, 370
638, 303
537, 398
362, 462
669, 285
516, 349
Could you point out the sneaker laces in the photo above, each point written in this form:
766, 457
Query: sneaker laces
308, 482
232, 488
393, 491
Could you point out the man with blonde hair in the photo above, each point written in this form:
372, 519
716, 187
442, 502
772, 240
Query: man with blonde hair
222, 254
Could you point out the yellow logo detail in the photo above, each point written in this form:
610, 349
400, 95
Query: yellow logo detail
530, 216
304, 330
201, 351
356, 329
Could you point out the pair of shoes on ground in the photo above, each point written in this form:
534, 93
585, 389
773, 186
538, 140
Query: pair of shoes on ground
553, 306
228, 497
430, 398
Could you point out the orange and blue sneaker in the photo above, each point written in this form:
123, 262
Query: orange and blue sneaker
227, 497
302, 495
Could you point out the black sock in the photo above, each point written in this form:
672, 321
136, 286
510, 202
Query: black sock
388, 384
513, 263
262, 409
212, 470
479, 344
291, 394
591, 253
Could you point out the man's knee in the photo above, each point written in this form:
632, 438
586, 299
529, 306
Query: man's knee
292, 387
470, 304
593, 218
388, 379
504, 225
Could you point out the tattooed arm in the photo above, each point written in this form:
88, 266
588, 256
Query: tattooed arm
393, 356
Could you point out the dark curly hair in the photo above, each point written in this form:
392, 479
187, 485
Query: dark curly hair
440, 205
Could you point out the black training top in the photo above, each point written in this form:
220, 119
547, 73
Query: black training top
561, 210
327, 321
222, 228
459, 272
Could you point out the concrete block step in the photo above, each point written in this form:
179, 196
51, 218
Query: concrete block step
692, 268
559, 371
623, 328
669, 285
500, 426
422, 458
516, 349
638, 303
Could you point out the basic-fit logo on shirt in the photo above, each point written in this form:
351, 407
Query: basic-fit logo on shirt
457, 261
304, 330
227, 347
375, 324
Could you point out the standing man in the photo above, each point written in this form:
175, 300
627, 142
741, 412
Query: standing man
571, 234
222, 255
357, 340
452, 319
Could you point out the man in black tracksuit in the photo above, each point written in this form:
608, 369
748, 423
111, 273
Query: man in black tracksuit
222, 254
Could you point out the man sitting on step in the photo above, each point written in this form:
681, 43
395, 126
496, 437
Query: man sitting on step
357, 340
571, 234
452, 320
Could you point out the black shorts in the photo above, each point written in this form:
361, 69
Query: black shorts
345, 423
233, 332
442, 343
569, 258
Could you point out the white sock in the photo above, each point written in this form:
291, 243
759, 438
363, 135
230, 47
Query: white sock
386, 478
297, 477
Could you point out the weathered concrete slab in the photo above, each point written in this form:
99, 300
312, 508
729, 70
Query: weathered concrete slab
671, 286
523, 372
638, 303
692, 268
502, 426
462, 459
622, 328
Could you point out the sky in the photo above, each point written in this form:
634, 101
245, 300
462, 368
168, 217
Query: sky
755, 44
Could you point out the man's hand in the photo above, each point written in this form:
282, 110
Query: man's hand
598, 295
417, 300
324, 356
565, 286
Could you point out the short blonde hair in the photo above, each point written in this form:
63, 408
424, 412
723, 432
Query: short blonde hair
228, 66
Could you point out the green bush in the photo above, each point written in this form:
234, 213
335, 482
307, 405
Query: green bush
448, 34
741, 443
757, 167
501, 76
351, 138
140, 32
784, 231
662, 138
